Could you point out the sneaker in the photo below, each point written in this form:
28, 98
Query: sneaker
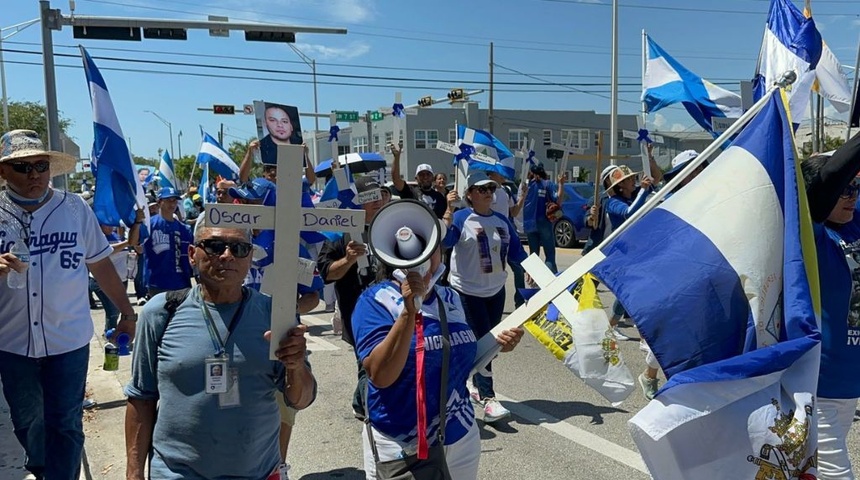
141, 302
649, 386
618, 335
337, 324
494, 411
89, 403
474, 396
328, 308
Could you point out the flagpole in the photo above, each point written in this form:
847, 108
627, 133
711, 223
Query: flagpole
643, 146
613, 113
191, 177
853, 92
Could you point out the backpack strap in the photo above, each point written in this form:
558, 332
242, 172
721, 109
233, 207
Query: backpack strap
174, 300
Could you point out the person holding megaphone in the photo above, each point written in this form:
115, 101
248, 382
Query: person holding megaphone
404, 309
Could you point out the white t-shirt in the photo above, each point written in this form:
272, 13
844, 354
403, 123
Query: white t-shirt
502, 202
52, 315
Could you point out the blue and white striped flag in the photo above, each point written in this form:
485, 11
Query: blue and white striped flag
166, 175
732, 323
484, 142
791, 43
219, 160
668, 82
118, 191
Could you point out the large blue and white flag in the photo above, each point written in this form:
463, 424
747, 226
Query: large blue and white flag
791, 43
725, 292
166, 177
219, 160
667, 82
485, 143
118, 191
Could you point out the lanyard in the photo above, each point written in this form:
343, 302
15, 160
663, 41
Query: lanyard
219, 344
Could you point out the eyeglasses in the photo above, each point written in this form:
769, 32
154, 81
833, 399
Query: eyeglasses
851, 190
41, 166
222, 191
214, 246
485, 189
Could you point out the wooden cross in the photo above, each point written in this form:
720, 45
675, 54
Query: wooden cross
287, 220
398, 123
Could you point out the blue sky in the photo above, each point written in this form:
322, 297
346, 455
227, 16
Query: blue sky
417, 47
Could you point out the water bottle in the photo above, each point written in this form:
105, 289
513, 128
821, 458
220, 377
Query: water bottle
13, 278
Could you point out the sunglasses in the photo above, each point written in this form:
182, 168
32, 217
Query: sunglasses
851, 190
213, 246
485, 189
41, 166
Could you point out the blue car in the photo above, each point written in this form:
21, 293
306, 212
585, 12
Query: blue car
570, 230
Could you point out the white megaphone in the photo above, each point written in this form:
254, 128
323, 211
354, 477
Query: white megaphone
404, 234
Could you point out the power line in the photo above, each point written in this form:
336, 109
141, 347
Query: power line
560, 85
687, 9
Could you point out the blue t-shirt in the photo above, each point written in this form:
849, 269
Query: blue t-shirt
194, 438
534, 210
483, 246
393, 409
620, 209
266, 240
839, 274
167, 266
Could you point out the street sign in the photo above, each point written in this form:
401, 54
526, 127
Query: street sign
218, 32
223, 109
721, 124
376, 116
248, 109
346, 116
574, 174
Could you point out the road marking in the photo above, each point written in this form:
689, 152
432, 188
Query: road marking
575, 434
316, 343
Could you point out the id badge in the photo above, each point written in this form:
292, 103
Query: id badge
216, 375
230, 398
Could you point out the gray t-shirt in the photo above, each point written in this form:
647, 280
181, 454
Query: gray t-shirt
193, 437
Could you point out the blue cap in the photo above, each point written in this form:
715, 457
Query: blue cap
256, 189
168, 192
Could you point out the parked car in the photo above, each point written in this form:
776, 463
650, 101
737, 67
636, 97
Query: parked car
570, 230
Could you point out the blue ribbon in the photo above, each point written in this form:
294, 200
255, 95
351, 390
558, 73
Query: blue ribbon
531, 157
466, 151
332, 133
643, 136
397, 110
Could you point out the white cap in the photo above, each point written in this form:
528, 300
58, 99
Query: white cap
423, 168
684, 157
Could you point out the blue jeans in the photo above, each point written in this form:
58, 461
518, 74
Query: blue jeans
543, 237
482, 314
139, 281
519, 282
111, 310
45, 398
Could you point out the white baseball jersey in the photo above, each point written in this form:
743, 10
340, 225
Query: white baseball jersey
52, 315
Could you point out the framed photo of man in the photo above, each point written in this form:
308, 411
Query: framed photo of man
276, 125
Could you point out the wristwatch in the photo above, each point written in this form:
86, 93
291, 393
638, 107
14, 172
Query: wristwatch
132, 317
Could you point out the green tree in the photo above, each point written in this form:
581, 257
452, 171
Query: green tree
32, 116
830, 144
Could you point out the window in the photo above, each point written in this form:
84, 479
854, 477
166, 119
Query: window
452, 136
623, 142
517, 139
359, 144
426, 139
547, 137
376, 146
581, 138
342, 150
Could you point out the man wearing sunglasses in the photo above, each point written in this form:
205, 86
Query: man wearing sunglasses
45, 327
221, 322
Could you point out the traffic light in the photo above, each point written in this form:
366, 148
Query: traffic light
457, 95
107, 33
223, 109
425, 101
166, 33
282, 37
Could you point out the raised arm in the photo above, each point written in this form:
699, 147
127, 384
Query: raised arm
248, 161
399, 183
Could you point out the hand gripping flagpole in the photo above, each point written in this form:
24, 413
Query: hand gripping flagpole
488, 348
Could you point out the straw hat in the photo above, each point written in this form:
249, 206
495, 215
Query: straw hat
21, 144
616, 174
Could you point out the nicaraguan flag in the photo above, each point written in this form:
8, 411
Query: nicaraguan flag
166, 177
725, 292
118, 191
484, 142
791, 43
830, 80
213, 153
667, 82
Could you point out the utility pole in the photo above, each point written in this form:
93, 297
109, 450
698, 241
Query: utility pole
221, 135
490, 118
50, 22
369, 130
613, 111
179, 141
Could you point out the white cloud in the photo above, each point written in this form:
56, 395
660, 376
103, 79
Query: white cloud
856, 22
352, 11
324, 52
678, 127
659, 120
339, 11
